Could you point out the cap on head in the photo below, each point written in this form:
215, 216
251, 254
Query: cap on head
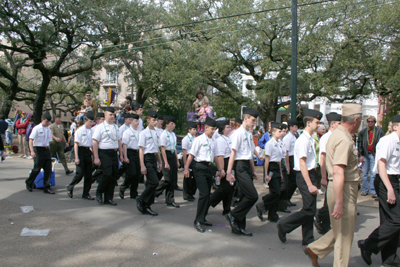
169, 118
90, 115
396, 118
293, 123
100, 115
251, 112
110, 109
210, 122
191, 124
238, 120
276, 125
135, 116
137, 106
127, 116
160, 117
222, 123
284, 126
152, 113
46, 116
312, 113
351, 109
333, 116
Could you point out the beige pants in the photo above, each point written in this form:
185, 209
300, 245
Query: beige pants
340, 237
23, 145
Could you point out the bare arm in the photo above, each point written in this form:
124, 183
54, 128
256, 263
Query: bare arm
391, 198
266, 165
31, 148
184, 157
322, 162
338, 183
141, 158
287, 162
229, 176
219, 160
96, 152
164, 156
187, 164
76, 147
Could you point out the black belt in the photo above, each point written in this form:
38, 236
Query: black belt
109, 150
204, 163
84, 147
41, 147
130, 149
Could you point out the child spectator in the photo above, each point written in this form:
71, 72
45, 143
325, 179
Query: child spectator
204, 112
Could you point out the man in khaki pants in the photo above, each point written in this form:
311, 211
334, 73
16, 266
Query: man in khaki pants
344, 177
56, 146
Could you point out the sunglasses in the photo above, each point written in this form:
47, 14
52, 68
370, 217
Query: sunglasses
370, 121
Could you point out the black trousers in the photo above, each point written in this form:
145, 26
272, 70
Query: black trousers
84, 169
270, 202
249, 195
322, 216
109, 168
292, 183
189, 184
203, 173
385, 238
283, 200
150, 162
304, 217
132, 176
224, 192
122, 169
42, 160
170, 178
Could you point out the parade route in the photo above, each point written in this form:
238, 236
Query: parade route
84, 233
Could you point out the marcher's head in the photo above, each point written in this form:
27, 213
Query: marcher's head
57, 119
351, 117
100, 117
224, 127
276, 130
210, 127
293, 126
46, 118
334, 120
89, 119
127, 119
109, 115
169, 123
138, 108
371, 120
192, 128
284, 130
159, 120
249, 117
151, 118
199, 95
134, 121
311, 119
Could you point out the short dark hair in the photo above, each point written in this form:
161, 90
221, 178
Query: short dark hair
199, 93
307, 119
221, 129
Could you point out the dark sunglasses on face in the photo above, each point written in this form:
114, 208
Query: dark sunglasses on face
370, 121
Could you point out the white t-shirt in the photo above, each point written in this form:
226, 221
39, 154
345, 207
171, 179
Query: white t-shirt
168, 140
148, 139
388, 148
131, 138
289, 140
224, 147
322, 143
187, 142
305, 147
107, 135
83, 137
41, 136
242, 142
159, 131
122, 129
140, 127
273, 150
203, 148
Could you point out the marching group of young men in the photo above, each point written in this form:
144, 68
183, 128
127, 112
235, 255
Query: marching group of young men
227, 159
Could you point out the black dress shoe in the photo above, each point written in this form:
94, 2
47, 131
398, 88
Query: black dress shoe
121, 194
284, 210
133, 197
365, 254
224, 212
88, 197
99, 198
207, 223
48, 191
273, 219
110, 202
290, 204
232, 222
151, 212
173, 204
139, 204
178, 188
198, 227
68, 172
191, 199
260, 214
29, 188
244, 232
281, 233
70, 193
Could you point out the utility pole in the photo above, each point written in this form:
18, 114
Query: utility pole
293, 75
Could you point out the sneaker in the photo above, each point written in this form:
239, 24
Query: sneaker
20, 156
30, 157
364, 194
320, 192
374, 195
265, 185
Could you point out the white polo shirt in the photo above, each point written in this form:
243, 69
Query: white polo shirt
242, 142
140, 127
289, 140
282, 147
388, 148
93, 129
273, 150
203, 148
148, 139
159, 131
223, 146
107, 135
187, 142
322, 143
41, 136
83, 136
131, 138
122, 129
216, 135
168, 140
305, 147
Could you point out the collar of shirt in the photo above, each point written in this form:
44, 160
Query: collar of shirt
344, 130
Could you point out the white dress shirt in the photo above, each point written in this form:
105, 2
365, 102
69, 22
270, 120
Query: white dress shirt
223, 146
140, 127
322, 143
273, 150
148, 139
187, 142
159, 131
168, 140
107, 135
282, 147
242, 142
305, 148
203, 148
94, 129
289, 140
83, 137
41, 136
216, 135
131, 138
122, 129
388, 148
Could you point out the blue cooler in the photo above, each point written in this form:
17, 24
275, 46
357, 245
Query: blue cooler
39, 178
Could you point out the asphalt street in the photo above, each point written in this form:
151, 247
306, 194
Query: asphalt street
85, 233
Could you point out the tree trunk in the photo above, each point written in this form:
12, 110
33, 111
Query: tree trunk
41, 98
7, 102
